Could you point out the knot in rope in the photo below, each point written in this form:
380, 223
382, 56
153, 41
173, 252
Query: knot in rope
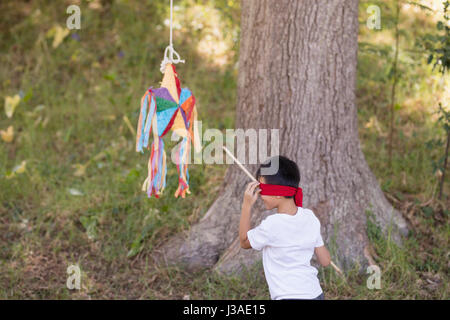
168, 58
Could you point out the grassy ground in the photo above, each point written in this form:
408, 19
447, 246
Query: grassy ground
77, 198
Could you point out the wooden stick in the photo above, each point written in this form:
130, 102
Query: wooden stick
239, 164
253, 178
336, 268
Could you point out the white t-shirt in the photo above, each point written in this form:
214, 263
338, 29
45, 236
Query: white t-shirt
287, 243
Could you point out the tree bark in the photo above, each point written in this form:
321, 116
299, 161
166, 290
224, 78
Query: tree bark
297, 73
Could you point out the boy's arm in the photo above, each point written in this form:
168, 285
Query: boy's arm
322, 255
244, 226
250, 197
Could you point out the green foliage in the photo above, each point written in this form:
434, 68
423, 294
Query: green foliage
373, 229
437, 44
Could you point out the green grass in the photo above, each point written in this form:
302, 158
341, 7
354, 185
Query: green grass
88, 85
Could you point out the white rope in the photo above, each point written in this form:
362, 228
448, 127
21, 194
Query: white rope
170, 51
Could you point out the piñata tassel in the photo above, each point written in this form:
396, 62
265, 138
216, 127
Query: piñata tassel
182, 159
141, 122
149, 180
150, 118
148, 111
156, 180
193, 129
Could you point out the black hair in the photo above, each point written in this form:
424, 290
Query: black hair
288, 173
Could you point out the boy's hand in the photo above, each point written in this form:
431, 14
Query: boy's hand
251, 194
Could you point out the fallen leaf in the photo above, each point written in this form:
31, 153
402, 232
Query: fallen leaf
18, 169
80, 169
374, 123
58, 34
11, 104
8, 134
75, 192
21, 168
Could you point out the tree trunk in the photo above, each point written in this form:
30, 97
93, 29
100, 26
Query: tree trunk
297, 73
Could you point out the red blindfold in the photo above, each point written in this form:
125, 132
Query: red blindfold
277, 190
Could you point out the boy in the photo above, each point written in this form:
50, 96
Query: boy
287, 238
